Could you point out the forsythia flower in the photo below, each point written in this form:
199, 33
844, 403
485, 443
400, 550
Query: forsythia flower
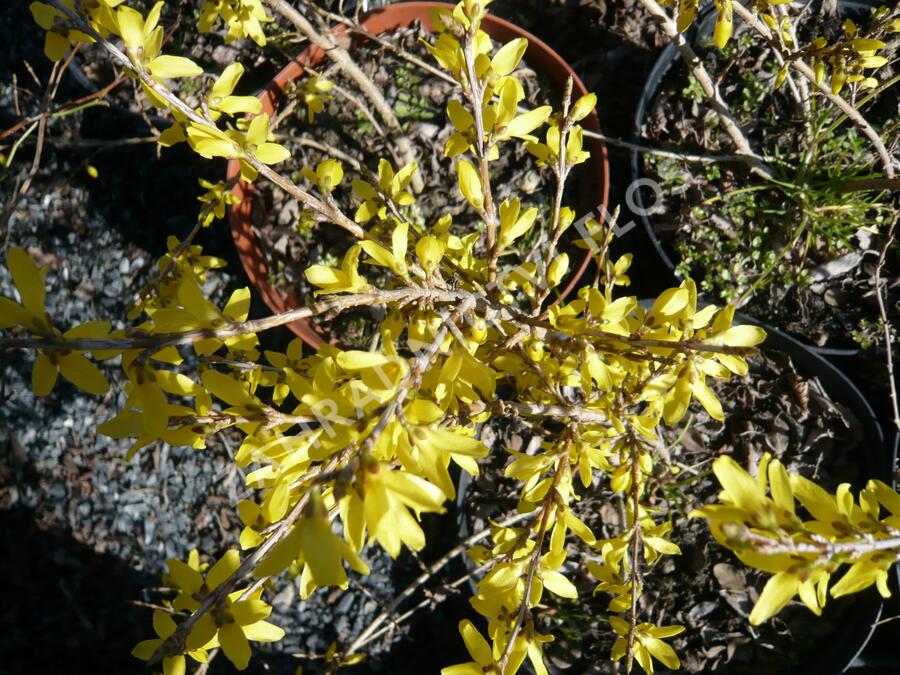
315, 92
766, 533
233, 622
244, 18
483, 661
165, 626
215, 200
209, 141
143, 39
648, 642
59, 36
32, 315
221, 100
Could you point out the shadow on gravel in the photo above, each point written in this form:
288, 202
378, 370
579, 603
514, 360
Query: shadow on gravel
64, 608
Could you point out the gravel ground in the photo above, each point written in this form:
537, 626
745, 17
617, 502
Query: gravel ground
72, 480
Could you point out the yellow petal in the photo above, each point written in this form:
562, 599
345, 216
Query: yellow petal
263, 631
163, 624
146, 649
470, 184
227, 81
271, 153
43, 375
744, 336
55, 46
173, 66
223, 569
152, 402
777, 593
131, 27
29, 280
557, 270
174, 665
860, 576
83, 374
475, 643
184, 576
238, 305
662, 652
558, 584
738, 484
12, 314
524, 124
235, 645
708, 399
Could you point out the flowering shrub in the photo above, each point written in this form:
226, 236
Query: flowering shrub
349, 448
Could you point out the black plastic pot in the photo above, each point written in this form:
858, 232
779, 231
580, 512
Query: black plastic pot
876, 460
839, 655
668, 58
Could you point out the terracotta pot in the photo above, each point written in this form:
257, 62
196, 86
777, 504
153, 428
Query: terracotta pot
539, 56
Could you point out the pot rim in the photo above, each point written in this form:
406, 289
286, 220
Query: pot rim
379, 21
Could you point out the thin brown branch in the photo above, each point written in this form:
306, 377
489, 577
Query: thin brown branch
710, 90
161, 340
474, 94
825, 89
369, 633
885, 322
341, 57
562, 464
665, 152
636, 534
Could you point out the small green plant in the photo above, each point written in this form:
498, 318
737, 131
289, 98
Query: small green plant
819, 194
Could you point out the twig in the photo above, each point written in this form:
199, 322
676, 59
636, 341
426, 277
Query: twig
636, 533
354, 26
561, 171
63, 108
824, 88
820, 547
475, 95
327, 43
710, 90
662, 152
888, 331
562, 463
231, 330
203, 668
368, 634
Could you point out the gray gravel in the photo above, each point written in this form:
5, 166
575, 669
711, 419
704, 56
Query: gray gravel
165, 501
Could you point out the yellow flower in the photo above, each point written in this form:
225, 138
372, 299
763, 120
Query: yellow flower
143, 42
333, 280
220, 99
233, 622
391, 186
384, 508
32, 315
480, 651
59, 35
648, 642
315, 91
210, 141
244, 18
165, 626
215, 200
